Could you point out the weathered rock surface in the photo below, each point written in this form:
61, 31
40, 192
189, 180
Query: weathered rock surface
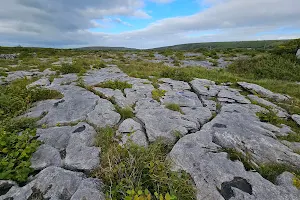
217, 177
131, 130
280, 112
296, 118
8, 56
263, 91
298, 54
40, 82
44, 157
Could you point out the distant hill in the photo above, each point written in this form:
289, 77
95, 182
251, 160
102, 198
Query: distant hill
262, 44
106, 48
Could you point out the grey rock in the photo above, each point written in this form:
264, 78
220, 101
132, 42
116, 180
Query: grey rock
105, 74
285, 130
53, 183
203, 87
209, 103
89, 189
296, 118
44, 157
39, 83
57, 137
295, 146
182, 98
286, 180
131, 130
80, 157
74, 107
233, 95
66, 79
280, 112
263, 91
298, 54
48, 72
238, 127
199, 115
103, 114
163, 123
217, 177
173, 85
8, 56
5, 185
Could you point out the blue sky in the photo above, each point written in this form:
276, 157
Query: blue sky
157, 11
145, 23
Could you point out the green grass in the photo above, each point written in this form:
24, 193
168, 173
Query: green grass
174, 107
271, 171
125, 112
267, 67
115, 85
271, 117
157, 94
132, 169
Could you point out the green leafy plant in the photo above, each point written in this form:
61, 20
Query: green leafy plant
15, 154
157, 94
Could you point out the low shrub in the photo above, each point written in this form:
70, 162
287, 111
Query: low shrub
15, 154
70, 68
133, 172
270, 66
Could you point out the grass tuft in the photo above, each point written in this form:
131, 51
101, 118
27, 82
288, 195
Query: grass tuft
157, 94
115, 85
174, 107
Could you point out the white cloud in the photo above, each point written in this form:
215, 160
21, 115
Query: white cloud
67, 23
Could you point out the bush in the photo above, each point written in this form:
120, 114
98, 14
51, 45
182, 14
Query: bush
71, 68
129, 172
157, 94
271, 67
15, 154
115, 85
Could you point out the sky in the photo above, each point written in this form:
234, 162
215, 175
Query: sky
144, 23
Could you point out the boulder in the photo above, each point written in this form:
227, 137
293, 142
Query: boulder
298, 54
41, 82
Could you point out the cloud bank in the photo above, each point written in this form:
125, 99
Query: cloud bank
69, 23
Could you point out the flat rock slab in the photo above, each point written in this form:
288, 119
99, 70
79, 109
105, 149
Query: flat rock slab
296, 118
132, 131
238, 127
263, 91
70, 147
280, 112
56, 183
217, 177
166, 124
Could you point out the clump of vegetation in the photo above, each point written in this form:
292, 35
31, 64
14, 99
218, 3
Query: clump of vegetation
17, 135
272, 118
67, 68
236, 155
157, 94
125, 112
133, 172
271, 171
15, 154
270, 66
115, 85
174, 107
